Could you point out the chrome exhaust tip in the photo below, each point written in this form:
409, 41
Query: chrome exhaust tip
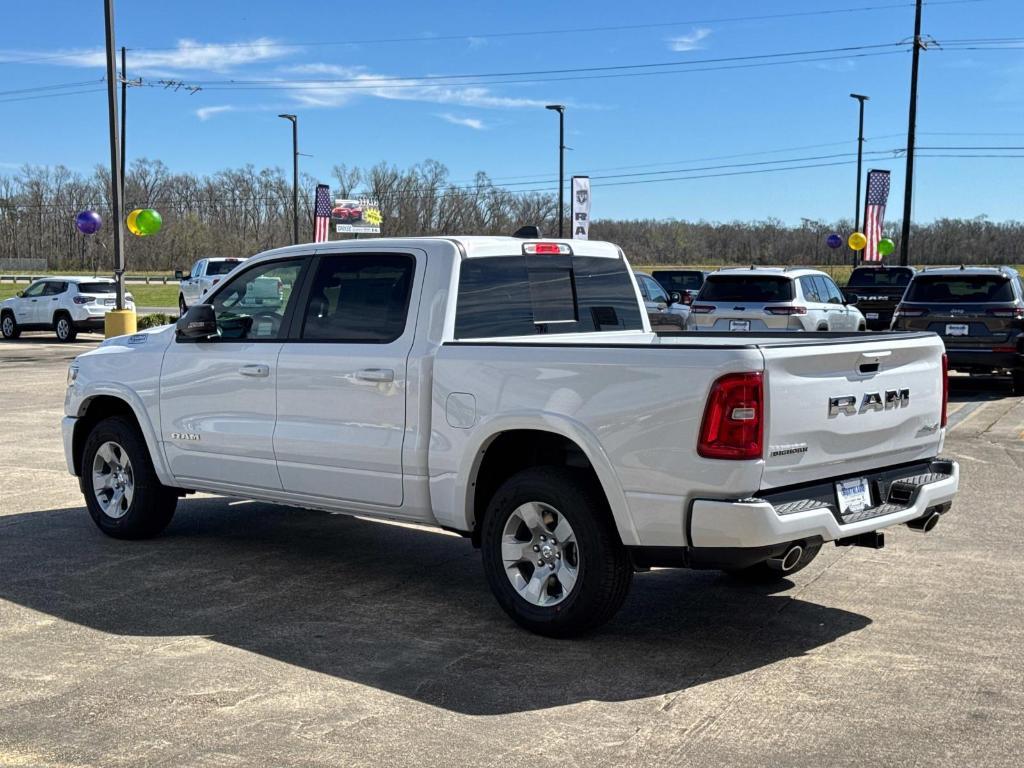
924, 524
788, 561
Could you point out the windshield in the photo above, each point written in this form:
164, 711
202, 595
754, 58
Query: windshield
221, 267
960, 289
680, 281
879, 278
746, 288
103, 288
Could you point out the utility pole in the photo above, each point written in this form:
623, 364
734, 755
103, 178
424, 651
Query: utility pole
295, 176
560, 109
116, 190
908, 190
124, 112
857, 214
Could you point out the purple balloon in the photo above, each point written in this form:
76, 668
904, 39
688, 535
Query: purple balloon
88, 222
834, 241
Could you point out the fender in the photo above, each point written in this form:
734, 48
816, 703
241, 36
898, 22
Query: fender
149, 432
490, 428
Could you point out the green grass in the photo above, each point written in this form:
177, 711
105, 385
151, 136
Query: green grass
145, 295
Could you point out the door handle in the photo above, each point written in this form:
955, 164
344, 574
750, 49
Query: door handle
378, 375
255, 370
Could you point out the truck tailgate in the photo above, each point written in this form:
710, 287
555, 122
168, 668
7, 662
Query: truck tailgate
845, 406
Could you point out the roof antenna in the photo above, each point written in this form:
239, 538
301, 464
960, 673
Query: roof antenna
529, 232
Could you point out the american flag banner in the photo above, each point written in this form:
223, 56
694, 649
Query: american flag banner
322, 214
874, 212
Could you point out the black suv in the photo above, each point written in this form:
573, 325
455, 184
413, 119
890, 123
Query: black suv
978, 312
877, 290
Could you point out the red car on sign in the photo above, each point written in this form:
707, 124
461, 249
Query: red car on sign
348, 212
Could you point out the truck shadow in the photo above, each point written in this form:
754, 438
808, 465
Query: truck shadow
403, 611
978, 389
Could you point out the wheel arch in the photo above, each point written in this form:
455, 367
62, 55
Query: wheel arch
95, 408
513, 446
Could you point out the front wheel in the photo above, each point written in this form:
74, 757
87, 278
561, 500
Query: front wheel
551, 553
9, 326
122, 492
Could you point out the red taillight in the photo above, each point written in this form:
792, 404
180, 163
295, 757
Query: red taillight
733, 425
84, 299
701, 309
1017, 313
786, 310
902, 310
945, 388
531, 249
1008, 349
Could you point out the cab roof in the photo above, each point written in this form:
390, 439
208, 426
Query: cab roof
789, 272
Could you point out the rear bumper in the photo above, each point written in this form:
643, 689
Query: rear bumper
982, 359
901, 495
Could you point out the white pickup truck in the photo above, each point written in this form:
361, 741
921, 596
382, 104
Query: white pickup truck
511, 390
205, 274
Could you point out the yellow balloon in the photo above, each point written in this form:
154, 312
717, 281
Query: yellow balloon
857, 241
133, 226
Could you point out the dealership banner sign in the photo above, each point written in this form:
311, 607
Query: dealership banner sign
580, 207
360, 215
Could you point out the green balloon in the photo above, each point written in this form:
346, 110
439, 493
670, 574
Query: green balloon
886, 246
149, 221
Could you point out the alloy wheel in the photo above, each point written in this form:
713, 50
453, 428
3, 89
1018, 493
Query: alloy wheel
113, 482
540, 554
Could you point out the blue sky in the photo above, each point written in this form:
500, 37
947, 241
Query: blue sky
619, 125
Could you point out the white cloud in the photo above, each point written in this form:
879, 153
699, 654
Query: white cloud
690, 42
359, 82
187, 55
468, 122
205, 113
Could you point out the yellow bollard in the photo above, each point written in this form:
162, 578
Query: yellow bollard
119, 322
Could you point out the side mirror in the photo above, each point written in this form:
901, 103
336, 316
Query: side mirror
20, 294
850, 299
675, 298
179, 274
199, 322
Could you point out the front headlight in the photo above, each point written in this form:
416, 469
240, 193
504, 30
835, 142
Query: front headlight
72, 374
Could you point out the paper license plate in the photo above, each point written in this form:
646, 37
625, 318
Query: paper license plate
854, 495
871, 315
956, 329
109, 302
739, 325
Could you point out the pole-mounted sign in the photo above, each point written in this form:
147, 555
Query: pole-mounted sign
580, 206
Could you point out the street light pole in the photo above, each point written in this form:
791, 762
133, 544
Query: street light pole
560, 109
116, 190
857, 223
295, 176
908, 190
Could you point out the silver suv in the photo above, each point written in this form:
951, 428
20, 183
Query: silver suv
773, 299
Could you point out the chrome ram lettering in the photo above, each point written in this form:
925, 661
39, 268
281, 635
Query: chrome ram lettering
871, 401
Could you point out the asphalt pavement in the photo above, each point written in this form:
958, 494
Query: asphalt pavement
254, 635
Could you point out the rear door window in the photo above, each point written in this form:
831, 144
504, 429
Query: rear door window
55, 288
527, 295
654, 290
966, 289
360, 298
810, 289
752, 288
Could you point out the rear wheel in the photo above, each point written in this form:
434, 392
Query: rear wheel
124, 496
64, 328
9, 326
551, 553
1017, 382
762, 573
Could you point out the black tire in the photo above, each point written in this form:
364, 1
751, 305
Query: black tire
64, 327
861, 328
604, 568
9, 326
152, 503
1017, 382
182, 306
762, 573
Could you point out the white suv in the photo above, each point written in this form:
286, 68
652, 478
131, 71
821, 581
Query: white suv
65, 304
773, 299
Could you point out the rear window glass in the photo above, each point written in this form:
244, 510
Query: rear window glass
746, 288
965, 288
680, 281
221, 267
881, 278
527, 295
103, 288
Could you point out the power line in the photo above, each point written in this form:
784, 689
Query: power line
52, 95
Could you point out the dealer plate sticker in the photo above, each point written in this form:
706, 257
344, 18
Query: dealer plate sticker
871, 315
956, 329
854, 495
739, 325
